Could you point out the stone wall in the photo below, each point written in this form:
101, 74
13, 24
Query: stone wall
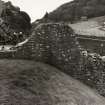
56, 45
97, 46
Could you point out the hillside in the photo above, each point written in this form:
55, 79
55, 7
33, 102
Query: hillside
91, 27
15, 25
74, 10
32, 83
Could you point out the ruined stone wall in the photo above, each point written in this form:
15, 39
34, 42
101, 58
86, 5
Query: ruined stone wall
56, 45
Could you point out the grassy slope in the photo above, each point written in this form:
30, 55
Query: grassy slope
90, 27
31, 83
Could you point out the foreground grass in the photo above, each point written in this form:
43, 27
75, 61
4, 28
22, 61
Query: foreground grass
32, 83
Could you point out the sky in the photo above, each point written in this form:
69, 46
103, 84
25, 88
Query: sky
37, 8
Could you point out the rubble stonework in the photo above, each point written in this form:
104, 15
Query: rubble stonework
56, 45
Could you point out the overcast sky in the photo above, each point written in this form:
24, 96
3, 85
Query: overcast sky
37, 8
